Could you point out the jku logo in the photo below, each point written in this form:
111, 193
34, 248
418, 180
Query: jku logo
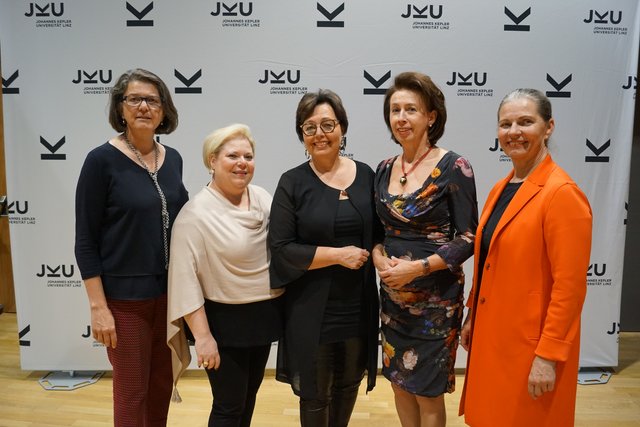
330, 16
615, 328
6, 90
88, 333
496, 146
22, 334
278, 78
56, 271
188, 82
424, 13
558, 93
626, 212
52, 155
597, 151
631, 80
15, 208
467, 80
516, 20
377, 90
601, 18
594, 271
139, 22
90, 78
43, 11
231, 10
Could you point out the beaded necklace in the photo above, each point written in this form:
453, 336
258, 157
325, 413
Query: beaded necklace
163, 199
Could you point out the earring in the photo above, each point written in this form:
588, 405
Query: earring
306, 153
343, 145
212, 172
123, 121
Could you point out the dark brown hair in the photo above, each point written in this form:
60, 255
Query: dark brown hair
170, 119
311, 100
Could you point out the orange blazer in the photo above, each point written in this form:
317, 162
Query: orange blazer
529, 302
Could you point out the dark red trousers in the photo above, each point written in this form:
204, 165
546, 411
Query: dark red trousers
142, 378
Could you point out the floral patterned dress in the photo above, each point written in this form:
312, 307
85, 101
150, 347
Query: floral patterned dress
421, 321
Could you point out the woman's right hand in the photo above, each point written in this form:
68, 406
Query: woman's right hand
103, 326
380, 261
207, 352
353, 257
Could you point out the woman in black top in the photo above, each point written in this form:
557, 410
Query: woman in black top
323, 227
128, 194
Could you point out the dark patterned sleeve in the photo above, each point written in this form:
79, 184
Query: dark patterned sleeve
289, 259
463, 209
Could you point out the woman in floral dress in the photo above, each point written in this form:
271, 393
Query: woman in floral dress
426, 199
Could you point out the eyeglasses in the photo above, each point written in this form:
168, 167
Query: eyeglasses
134, 101
326, 126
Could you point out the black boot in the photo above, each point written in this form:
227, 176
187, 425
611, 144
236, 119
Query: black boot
341, 407
314, 413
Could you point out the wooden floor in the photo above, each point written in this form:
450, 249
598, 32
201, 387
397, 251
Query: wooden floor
23, 402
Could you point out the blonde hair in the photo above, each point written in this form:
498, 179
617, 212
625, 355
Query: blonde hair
214, 142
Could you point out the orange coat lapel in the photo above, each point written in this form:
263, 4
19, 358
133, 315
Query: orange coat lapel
530, 187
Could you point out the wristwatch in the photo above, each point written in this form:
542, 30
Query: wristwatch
426, 267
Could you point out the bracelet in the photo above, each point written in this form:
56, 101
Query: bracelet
426, 267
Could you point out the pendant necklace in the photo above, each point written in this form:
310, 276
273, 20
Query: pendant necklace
403, 178
164, 213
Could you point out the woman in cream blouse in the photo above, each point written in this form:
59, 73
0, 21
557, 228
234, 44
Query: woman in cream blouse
219, 279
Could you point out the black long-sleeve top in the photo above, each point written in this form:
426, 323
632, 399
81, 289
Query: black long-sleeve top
119, 224
303, 216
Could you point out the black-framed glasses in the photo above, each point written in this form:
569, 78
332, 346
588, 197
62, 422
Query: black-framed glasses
326, 126
134, 101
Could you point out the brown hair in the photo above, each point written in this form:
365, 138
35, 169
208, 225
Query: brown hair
170, 119
431, 96
311, 100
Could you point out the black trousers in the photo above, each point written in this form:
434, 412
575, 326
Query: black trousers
235, 384
339, 370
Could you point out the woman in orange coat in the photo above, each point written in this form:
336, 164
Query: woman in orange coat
531, 257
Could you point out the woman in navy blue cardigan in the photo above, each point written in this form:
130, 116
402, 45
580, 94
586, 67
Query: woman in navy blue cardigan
128, 194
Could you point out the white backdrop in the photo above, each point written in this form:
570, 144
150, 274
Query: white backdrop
250, 61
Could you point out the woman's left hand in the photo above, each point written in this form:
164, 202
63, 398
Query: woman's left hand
352, 257
542, 377
207, 352
465, 333
401, 272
